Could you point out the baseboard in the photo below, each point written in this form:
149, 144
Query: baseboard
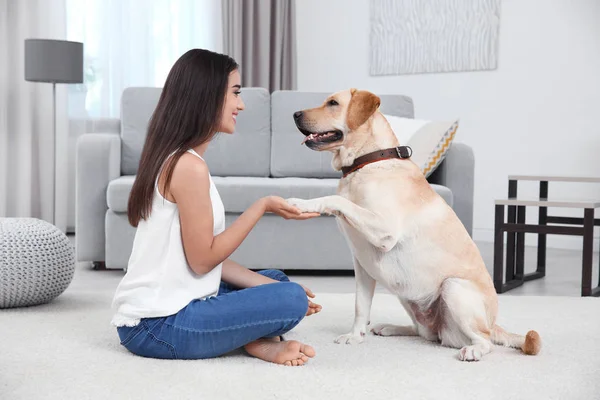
553, 241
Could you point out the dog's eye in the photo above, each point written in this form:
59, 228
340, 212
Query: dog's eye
333, 103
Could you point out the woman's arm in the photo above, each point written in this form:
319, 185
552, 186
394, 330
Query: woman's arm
241, 277
190, 188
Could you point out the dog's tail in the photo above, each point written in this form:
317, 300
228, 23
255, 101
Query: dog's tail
529, 344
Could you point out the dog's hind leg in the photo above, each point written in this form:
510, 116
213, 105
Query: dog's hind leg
394, 330
465, 321
417, 329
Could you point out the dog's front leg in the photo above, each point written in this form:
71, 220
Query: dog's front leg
365, 289
373, 226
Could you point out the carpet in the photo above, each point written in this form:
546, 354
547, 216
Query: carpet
67, 349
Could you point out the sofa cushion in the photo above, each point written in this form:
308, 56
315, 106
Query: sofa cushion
137, 106
246, 152
429, 140
288, 157
239, 193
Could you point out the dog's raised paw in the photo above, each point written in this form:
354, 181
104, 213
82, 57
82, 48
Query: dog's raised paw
295, 202
349, 338
305, 205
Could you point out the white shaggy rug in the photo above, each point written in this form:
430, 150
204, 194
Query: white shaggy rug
67, 349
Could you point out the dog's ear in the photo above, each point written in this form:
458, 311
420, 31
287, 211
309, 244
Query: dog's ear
362, 105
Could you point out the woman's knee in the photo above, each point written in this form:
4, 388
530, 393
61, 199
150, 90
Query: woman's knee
295, 299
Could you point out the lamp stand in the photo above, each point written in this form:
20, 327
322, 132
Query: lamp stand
54, 149
53, 61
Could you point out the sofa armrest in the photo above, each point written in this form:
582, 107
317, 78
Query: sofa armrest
98, 161
457, 172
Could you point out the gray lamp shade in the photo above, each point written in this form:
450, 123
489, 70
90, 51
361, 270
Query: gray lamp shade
55, 61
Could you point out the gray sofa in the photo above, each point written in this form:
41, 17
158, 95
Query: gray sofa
264, 157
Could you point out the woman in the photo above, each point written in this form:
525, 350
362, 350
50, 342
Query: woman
182, 297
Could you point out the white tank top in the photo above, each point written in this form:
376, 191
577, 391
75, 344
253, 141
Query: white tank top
159, 281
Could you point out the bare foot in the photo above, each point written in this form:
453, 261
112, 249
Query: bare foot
292, 353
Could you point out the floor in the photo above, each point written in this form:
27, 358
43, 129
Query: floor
67, 347
563, 274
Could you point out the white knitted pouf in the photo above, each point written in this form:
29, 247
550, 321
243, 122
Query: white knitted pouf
37, 262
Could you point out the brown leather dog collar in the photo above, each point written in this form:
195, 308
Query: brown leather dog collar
401, 152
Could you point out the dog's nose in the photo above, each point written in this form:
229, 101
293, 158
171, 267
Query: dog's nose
297, 114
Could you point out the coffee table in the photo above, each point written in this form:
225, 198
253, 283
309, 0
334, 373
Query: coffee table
515, 228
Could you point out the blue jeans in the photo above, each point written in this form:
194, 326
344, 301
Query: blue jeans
217, 325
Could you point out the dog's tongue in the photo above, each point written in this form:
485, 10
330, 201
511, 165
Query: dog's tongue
306, 139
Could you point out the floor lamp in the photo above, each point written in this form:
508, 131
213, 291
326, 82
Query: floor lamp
53, 61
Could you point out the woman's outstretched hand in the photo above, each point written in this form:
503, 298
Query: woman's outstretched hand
313, 308
277, 205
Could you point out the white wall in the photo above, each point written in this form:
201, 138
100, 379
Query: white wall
538, 113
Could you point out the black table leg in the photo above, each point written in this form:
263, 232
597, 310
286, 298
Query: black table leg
540, 271
588, 252
498, 248
511, 236
542, 220
520, 251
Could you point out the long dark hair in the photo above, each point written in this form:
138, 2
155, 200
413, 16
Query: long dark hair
187, 115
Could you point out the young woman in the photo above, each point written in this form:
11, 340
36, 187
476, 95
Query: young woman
182, 297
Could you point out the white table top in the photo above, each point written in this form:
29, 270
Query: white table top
537, 202
554, 178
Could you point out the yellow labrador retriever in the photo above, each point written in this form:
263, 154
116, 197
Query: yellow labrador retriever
402, 233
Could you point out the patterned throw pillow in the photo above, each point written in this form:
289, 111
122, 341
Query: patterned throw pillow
429, 140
